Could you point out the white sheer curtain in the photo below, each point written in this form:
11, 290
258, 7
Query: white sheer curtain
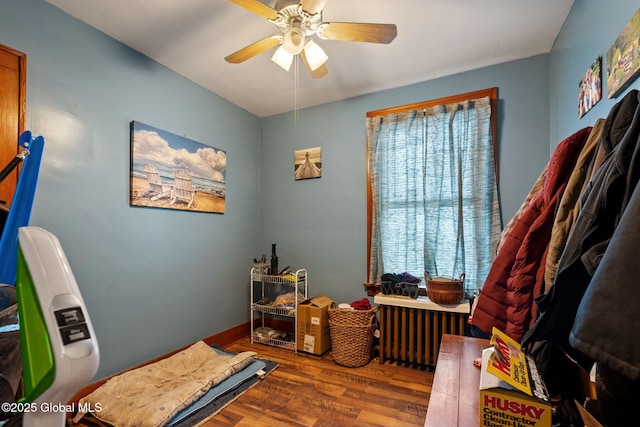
434, 196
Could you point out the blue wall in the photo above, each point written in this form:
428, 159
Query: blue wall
157, 279
320, 224
153, 279
588, 32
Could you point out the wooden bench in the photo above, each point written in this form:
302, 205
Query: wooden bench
455, 391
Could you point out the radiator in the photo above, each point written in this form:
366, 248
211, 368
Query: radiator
411, 334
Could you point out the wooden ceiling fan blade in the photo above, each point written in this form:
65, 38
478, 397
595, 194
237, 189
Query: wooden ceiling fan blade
254, 49
358, 32
312, 6
256, 7
319, 72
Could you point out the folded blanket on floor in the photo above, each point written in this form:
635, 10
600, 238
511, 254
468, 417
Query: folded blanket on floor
219, 396
151, 395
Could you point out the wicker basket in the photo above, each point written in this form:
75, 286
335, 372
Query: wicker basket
352, 335
442, 290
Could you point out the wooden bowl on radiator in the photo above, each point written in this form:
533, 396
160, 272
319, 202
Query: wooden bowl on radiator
444, 290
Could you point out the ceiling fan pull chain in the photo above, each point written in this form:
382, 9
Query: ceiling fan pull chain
295, 92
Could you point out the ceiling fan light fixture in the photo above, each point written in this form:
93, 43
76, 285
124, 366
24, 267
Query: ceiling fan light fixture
283, 58
293, 40
315, 55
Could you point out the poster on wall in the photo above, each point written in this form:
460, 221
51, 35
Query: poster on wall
172, 172
623, 58
590, 87
307, 163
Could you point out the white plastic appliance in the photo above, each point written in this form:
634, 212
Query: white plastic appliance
59, 348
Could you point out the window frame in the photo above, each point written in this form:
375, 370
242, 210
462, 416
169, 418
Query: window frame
492, 93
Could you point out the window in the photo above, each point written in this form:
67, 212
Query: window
432, 184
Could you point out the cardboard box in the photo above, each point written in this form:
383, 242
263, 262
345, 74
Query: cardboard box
511, 391
313, 325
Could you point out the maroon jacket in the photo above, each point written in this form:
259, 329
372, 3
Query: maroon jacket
516, 275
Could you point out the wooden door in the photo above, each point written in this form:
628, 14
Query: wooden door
13, 85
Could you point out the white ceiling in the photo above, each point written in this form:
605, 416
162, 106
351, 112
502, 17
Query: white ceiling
435, 38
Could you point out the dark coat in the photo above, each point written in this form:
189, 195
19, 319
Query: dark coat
603, 204
607, 325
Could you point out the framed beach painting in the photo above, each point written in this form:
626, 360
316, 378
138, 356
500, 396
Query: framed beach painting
623, 58
173, 172
307, 163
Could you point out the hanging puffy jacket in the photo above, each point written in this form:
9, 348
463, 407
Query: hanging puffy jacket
516, 274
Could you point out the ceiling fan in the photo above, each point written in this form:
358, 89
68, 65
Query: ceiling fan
299, 22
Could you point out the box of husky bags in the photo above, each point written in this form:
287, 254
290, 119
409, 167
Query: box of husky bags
511, 391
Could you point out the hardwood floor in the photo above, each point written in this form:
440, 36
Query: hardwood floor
305, 390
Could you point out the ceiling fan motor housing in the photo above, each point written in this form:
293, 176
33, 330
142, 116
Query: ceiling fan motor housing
291, 14
280, 4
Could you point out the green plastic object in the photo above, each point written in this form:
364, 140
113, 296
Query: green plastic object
37, 355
